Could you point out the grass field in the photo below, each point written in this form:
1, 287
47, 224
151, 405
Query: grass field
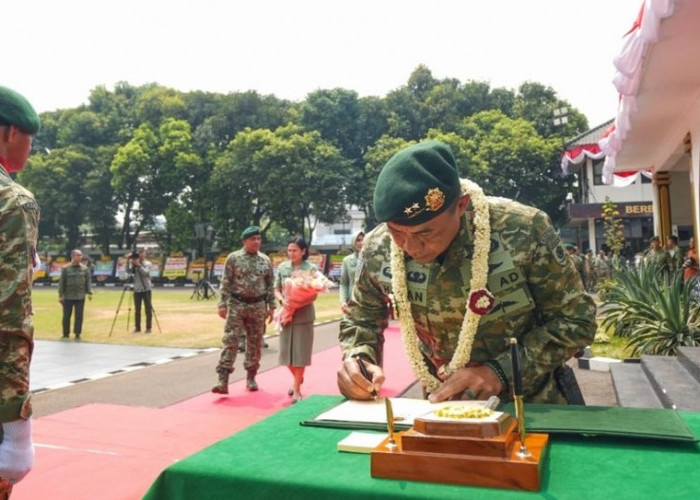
183, 322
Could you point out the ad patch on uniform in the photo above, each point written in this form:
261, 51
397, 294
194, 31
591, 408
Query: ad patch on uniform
550, 239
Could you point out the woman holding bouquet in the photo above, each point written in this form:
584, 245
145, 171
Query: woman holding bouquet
297, 333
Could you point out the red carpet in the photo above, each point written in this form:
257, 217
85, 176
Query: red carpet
319, 378
111, 452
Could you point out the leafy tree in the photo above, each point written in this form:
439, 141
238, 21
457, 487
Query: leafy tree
519, 162
375, 158
156, 104
58, 182
100, 198
288, 176
536, 103
131, 170
307, 181
238, 185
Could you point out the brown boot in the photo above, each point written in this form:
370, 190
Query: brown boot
222, 386
250, 382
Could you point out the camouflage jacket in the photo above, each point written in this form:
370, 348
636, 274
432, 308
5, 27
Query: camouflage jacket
19, 223
675, 259
539, 299
658, 258
347, 276
74, 282
247, 275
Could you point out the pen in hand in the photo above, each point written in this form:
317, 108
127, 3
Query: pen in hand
366, 374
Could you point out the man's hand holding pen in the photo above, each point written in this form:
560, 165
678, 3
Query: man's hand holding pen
360, 379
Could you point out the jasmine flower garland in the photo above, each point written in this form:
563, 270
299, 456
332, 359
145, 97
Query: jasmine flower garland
479, 301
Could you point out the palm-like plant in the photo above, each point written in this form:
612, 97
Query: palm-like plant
626, 292
655, 316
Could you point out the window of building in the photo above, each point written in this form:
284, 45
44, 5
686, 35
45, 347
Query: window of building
597, 172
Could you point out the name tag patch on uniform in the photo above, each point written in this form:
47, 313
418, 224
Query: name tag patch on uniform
417, 283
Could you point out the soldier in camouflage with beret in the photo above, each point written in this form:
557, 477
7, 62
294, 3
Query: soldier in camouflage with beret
531, 289
247, 298
656, 255
19, 223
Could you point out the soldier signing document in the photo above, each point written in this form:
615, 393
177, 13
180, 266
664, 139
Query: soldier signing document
467, 272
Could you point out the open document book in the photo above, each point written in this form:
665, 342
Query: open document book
372, 414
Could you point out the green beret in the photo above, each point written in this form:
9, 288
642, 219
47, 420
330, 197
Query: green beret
654, 238
16, 110
250, 231
569, 246
417, 184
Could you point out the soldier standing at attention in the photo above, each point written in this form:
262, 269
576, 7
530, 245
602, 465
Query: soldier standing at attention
656, 255
467, 273
73, 285
577, 260
19, 223
675, 255
247, 298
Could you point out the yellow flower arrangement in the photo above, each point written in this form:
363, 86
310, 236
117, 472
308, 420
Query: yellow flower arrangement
482, 298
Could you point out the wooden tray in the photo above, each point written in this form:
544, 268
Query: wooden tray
491, 462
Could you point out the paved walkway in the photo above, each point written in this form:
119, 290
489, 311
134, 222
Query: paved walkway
57, 364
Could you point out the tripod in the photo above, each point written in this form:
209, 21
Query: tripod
130, 287
203, 289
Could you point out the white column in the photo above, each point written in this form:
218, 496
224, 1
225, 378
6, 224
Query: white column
591, 236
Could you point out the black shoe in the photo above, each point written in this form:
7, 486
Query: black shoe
148, 330
251, 385
65, 336
77, 337
265, 344
241, 348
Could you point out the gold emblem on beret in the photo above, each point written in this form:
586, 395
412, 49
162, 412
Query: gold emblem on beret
434, 199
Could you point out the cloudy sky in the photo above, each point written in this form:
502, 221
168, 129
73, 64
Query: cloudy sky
55, 52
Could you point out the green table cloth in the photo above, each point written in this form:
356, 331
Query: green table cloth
278, 458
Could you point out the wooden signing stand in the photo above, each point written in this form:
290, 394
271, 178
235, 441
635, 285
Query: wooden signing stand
468, 452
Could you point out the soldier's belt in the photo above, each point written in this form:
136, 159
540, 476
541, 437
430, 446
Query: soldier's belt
249, 300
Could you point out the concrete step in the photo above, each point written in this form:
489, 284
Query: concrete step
689, 357
673, 384
632, 386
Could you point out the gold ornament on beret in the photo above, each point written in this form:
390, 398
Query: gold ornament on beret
434, 200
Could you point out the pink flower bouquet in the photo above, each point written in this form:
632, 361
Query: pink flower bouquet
299, 290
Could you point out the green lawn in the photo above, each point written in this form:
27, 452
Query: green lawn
183, 322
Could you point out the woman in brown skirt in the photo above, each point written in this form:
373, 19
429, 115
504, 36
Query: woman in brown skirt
297, 336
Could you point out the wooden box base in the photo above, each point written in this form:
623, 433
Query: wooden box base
474, 462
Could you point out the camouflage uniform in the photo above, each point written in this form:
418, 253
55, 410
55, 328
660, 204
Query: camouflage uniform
73, 285
539, 299
347, 273
247, 292
658, 258
674, 259
601, 266
19, 223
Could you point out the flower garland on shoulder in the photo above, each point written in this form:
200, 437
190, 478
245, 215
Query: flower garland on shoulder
479, 302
